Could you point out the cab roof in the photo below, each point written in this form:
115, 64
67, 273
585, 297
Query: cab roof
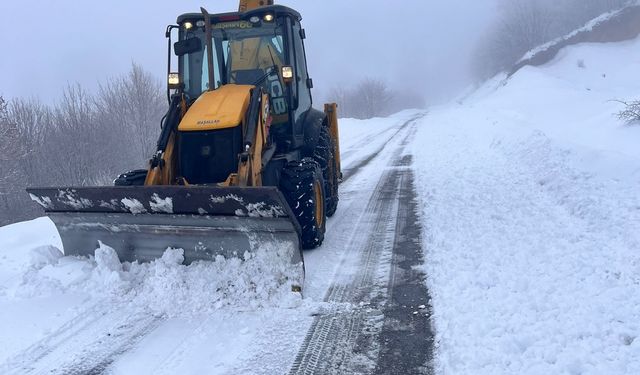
277, 10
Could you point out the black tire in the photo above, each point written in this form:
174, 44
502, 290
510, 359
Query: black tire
131, 178
303, 186
324, 155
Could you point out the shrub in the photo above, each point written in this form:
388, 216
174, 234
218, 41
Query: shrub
631, 113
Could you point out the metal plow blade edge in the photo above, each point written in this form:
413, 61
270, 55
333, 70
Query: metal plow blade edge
141, 222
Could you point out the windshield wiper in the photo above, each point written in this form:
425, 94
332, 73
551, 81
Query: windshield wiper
273, 68
265, 76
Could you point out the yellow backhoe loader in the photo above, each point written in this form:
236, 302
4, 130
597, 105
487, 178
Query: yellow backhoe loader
242, 160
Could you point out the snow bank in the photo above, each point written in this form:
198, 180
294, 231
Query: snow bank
16, 243
573, 105
163, 287
532, 220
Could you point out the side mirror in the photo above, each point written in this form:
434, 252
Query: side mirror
186, 46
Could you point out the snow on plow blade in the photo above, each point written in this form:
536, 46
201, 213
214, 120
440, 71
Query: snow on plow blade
140, 223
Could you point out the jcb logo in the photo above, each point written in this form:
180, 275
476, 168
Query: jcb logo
277, 95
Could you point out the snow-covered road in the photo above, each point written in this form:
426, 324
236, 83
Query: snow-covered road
346, 322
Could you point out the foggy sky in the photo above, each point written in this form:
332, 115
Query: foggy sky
423, 45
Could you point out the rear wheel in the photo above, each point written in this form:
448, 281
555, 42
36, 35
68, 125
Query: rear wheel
303, 186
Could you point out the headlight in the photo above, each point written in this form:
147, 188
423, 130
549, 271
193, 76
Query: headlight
174, 80
287, 73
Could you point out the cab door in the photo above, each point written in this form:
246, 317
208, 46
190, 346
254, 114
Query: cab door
300, 88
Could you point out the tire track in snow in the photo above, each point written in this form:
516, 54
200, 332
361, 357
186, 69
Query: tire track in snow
348, 172
330, 342
349, 342
371, 138
20, 362
99, 355
407, 337
171, 362
87, 344
355, 195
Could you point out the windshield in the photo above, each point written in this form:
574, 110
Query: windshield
243, 53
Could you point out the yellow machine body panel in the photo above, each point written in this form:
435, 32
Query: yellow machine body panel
331, 110
246, 5
218, 109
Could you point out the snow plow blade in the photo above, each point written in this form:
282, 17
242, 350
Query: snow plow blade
140, 223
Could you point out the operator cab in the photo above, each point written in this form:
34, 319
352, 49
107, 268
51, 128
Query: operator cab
261, 47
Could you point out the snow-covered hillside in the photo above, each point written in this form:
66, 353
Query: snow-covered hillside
531, 194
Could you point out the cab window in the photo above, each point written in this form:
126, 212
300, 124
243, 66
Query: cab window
302, 75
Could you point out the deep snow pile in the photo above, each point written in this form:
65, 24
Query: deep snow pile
43, 294
162, 287
531, 193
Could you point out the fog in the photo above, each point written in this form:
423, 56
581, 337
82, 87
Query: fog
423, 46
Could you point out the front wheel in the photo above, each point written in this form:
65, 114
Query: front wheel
303, 186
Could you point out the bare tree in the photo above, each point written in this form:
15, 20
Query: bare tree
522, 25
373, 98
341, 96
32, 119
370, 98
525, 24
77, 138
574, 12
134, 105
11, 179
82, 140
528, 22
